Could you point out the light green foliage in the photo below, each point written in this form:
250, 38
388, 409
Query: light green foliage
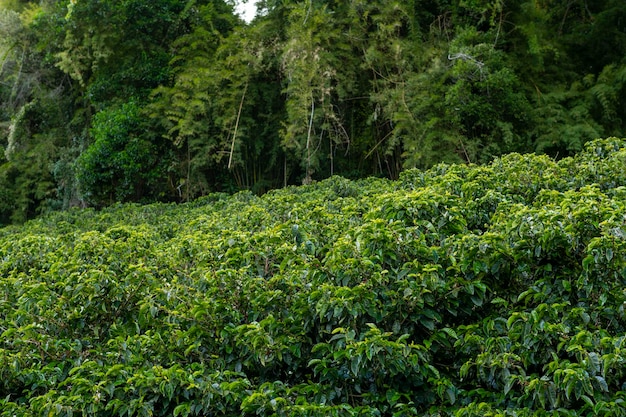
314, 60
198, 110
458, 291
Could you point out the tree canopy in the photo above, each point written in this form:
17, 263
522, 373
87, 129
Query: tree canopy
130, 100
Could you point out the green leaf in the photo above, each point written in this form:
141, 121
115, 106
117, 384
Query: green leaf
602, 383
392, 397
477, 300
552, 397
588, 261
355, 365
594, 363
508, 385
587, 400
450, 332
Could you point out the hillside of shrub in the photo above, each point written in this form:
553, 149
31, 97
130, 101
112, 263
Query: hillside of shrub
464, 290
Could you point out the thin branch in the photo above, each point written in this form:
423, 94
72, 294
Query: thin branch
14, 90
467, 157
5, 57
569, 4
308, 142
232, 145
495, 42
188, 183
466, 57
378, 144
308, 12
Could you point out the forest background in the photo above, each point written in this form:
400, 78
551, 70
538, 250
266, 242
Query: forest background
105, 101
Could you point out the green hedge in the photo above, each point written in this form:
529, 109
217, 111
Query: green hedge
493, 290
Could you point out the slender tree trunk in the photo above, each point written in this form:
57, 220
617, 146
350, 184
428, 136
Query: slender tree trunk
307, 179
232, 146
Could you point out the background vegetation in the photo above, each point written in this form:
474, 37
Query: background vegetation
163, 100
495, 290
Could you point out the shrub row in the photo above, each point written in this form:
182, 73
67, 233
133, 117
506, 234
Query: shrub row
490, 290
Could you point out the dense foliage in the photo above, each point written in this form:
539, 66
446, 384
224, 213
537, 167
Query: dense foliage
493, 290
164, 100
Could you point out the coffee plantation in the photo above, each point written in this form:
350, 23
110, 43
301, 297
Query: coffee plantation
464, 290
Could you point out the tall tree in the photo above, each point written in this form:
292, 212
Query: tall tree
312, 60
35, 110
185, 108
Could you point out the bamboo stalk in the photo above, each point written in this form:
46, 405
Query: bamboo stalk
232, 145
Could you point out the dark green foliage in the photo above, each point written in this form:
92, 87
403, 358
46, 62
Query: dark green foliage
35, 108
308, 90
458, 291
121, 164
